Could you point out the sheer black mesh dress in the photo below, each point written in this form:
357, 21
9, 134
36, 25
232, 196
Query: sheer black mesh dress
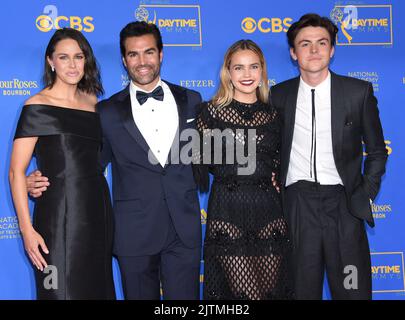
246, 244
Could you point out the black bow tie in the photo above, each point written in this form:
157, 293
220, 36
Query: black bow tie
157, 94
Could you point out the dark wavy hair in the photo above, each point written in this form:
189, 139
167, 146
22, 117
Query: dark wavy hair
138, 29
312, 20
91, 81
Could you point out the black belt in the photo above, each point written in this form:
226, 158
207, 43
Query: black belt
232, 183
310, 185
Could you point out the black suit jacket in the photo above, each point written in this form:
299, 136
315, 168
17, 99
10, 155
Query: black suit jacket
355, 118
145, 195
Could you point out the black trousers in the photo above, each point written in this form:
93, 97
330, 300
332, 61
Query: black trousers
326, 237
176, 268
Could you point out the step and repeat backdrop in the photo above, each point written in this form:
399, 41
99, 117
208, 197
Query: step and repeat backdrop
196, 34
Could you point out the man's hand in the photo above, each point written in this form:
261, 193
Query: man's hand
36, 184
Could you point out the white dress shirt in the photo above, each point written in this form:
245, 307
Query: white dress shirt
156, 120
299, 167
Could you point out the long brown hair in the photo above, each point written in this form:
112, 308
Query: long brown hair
225, 93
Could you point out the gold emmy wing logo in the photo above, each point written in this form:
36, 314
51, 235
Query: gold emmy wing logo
337, 17
142, 14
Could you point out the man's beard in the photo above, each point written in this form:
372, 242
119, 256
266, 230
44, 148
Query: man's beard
145, 80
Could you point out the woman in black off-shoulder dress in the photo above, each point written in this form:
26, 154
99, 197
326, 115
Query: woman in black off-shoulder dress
70, 239
246, 248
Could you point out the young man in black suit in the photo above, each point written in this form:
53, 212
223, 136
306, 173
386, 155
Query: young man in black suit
327, 193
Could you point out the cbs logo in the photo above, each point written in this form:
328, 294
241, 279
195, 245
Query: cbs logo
45, 23
266, 25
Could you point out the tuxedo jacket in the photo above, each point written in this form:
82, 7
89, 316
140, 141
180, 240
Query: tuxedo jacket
148, 197
354, 119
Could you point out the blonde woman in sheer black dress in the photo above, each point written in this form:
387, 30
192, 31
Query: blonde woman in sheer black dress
246, 243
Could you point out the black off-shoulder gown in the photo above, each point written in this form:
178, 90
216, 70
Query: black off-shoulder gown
74, 216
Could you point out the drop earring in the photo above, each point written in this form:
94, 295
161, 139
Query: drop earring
260, 83
53, 68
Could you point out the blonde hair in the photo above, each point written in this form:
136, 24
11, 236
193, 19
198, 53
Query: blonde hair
225, 93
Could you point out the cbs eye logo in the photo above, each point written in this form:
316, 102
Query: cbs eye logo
266, 25
249, 25
45, 23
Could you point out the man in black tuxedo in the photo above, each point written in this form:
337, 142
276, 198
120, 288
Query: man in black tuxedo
157, 237
326, 194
